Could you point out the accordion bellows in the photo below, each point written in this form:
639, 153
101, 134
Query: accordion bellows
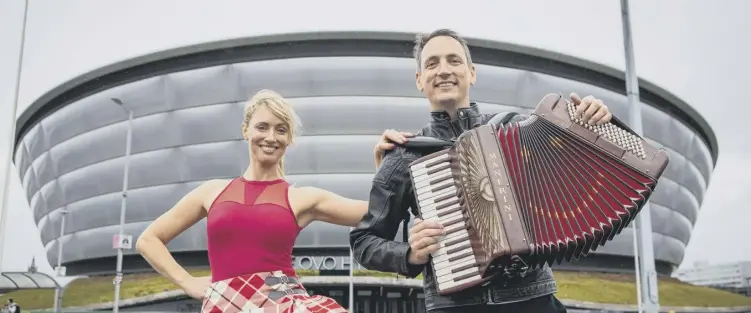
542, 191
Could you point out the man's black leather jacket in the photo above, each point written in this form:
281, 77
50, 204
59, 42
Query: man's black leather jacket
390, 199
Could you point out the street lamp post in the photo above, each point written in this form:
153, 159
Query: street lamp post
644, 263
123, 208
351, 278
59, 270
11, 138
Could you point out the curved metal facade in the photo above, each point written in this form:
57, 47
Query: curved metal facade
187, 130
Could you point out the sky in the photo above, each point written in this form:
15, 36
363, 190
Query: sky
696, 49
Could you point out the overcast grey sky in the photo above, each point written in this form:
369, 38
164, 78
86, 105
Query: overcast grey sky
696, 49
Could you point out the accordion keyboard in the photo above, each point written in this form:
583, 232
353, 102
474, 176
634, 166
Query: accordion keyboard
454, 263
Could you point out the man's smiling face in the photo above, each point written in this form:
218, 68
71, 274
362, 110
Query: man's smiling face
445, 74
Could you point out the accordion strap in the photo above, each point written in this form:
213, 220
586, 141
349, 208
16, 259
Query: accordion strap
500, 119
405, 228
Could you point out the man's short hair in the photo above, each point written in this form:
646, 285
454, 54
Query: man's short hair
422, 39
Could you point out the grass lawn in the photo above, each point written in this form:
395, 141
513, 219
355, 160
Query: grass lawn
621, 289
593, 287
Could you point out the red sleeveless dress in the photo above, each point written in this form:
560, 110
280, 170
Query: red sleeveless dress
251, 232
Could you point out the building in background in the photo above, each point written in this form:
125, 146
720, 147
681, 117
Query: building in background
347, 87
730, 275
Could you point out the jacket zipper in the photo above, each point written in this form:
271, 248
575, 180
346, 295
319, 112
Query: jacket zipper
453, 131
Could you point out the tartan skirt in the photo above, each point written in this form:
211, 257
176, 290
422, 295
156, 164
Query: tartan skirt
267, 292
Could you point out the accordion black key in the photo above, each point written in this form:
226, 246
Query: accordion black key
542, 191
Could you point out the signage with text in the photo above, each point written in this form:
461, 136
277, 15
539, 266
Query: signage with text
323, 263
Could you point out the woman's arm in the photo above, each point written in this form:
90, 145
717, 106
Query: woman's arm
152, 244
332, 208
335, 209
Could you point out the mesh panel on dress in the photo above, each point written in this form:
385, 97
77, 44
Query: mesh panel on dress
273, 194
234, 192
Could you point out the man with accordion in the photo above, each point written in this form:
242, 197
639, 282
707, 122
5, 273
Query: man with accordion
444, 74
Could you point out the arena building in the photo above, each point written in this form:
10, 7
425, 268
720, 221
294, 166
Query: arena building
347, 87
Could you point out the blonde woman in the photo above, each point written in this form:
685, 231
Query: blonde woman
252, 223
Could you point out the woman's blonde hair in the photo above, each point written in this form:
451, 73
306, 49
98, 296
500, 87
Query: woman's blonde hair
278, 106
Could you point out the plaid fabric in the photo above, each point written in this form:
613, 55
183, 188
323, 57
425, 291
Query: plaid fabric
269, 292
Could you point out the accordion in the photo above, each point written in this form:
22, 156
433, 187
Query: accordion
541, 191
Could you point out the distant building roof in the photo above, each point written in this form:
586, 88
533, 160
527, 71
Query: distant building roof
10, 281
